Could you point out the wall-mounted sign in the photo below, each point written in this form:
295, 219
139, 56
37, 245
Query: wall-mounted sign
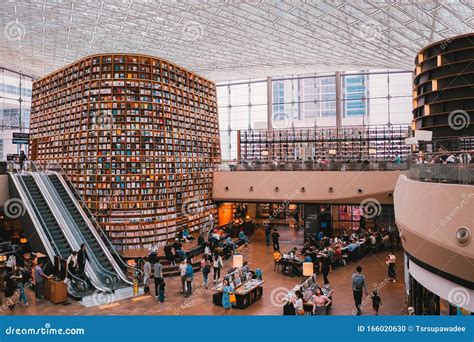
20, 138
13, 157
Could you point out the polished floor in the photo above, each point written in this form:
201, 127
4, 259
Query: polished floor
275, 287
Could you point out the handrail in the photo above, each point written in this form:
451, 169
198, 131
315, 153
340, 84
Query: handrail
70, 223
102, 233
51, 240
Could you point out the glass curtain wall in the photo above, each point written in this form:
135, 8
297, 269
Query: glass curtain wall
15, 106
305, 101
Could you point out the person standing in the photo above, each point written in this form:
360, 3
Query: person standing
182, 274
71, 263
376, 302
206, 269
227, 290
358, 284
189, 279
276, 240
10, 288
391, 259
320, 302
81, 259
22, 159
268, 233
243, 237
158, 277
146, 276
297, 301
217, 265
169, 254
325, 266
39, 280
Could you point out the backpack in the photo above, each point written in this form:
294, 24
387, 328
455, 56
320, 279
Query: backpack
358, 281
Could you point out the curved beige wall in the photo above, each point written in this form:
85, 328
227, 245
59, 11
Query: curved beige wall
428, 216
345, 184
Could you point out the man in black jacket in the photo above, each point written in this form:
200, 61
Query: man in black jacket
81, 259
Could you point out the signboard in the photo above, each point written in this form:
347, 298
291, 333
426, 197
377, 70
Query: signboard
13, 157
20, 138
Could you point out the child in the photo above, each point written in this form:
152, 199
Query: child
376, 302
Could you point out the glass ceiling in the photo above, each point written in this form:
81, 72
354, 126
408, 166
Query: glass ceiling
230, 39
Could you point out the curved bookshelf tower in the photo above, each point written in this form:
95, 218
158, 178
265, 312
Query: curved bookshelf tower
443, 93
138, 138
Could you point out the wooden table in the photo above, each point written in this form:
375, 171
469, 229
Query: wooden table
55, 290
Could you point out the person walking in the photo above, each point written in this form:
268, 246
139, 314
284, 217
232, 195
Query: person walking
169, 254
217, 265
206, 269
391, 259
227, 290
358, 284
268, 233
276, 240
81, 259
325, 266
146, 276
10, 288
376, 302
158, 277
22, 277
182, 272
189, 279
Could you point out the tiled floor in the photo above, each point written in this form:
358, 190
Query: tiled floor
276, 285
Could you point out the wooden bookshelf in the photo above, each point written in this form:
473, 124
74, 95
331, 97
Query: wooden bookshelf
372, 143
138, 137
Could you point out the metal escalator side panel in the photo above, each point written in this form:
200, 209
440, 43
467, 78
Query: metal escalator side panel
92, 229
27, 203
73, 243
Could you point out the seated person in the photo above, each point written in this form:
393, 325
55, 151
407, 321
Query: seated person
226, 251
181, 237
201, 240
186, 235
307, 258
277, 255
243, 237
230, 243
292, 253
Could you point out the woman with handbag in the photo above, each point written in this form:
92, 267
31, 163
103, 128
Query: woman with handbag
298, 303
228, 297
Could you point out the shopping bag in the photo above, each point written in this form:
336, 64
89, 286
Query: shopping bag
232, 298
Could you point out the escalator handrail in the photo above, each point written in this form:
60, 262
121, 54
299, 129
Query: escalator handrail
71, 239
77, 235
44, 226
102, 233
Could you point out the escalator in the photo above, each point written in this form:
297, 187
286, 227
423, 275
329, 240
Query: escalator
54, 240
86, 234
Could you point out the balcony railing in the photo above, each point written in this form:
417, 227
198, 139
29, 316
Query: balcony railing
312, 166
455, 167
